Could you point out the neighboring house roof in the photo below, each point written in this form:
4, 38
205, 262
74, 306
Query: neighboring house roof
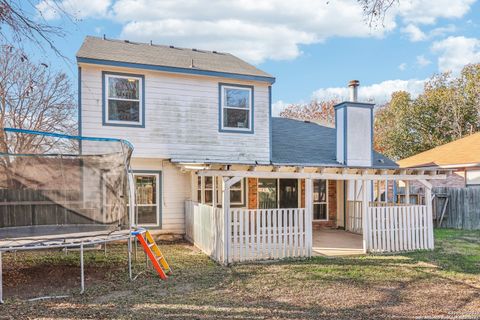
167, 58
459, 153
296, 142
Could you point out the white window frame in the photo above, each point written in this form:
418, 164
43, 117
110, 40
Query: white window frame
242, 189
223, 107
323, 202
139, 100
157, 200
218, 187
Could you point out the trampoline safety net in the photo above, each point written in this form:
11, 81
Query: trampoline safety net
56, 184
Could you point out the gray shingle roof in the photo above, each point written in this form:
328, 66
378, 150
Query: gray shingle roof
297, 142
166, 56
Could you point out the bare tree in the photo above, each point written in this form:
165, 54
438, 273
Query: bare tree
317, 111
32, 97
375, 10
22, 21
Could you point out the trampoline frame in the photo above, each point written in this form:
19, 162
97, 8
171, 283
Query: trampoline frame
79, 242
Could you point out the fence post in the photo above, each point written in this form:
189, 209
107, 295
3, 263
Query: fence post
428, 203
308, 215
365, 220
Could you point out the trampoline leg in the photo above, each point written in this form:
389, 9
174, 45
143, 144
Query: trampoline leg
105, 248
130, 257
1, 279
82, 275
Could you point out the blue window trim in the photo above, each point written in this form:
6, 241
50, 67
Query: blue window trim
252, 109
229, 75
142, 103
159, 196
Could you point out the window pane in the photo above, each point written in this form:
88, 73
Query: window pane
267, 193
123, 88
208, 196
119, 110
236, 196
208, 183
147, 215
319, 190
146, 190
320, 211
237, 186
237, 98
235, 118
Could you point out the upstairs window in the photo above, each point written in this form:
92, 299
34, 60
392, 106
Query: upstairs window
236, 108
123, 105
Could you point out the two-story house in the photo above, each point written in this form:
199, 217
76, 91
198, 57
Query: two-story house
210, 160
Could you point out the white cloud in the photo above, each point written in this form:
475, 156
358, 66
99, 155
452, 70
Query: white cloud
455, 52
256, 30
253, 30
422, 61
402, 66
51, 9
414, 33
277, 107
429, 11
378, 93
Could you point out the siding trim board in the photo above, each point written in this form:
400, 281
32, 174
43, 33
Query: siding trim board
251, 130
104, 97
237, 76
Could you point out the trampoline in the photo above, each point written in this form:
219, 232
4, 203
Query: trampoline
64, 191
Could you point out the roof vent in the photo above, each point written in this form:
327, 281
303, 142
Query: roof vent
306, 121
151, 42
126, 41
194, 49
214, 51
171, 47
104, 37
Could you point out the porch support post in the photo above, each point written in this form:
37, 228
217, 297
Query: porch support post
428, 203
386, 190
407, 192
365, 222
309, 215
227, 229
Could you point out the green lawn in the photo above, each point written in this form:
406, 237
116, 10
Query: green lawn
444, 284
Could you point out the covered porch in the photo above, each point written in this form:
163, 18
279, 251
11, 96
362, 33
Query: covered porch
235, 234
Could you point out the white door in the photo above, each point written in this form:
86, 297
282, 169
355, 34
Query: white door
147, 194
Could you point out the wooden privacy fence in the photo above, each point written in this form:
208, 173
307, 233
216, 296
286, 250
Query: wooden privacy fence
204, 227
399, 228
462, 210
269, 234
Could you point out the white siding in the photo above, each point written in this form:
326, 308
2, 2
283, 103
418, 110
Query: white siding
359, 140
181, 118
340, 134
176, 189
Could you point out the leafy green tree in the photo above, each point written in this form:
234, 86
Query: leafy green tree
447, 110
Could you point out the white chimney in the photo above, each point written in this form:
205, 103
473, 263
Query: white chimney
354, 126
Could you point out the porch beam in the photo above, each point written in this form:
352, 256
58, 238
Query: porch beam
307, 175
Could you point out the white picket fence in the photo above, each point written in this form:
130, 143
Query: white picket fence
204, 227
269, 234
399, 228
354, 216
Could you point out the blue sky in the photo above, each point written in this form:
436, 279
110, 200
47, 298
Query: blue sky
312, 47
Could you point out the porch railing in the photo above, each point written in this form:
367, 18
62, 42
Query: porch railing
399, 228
269, 234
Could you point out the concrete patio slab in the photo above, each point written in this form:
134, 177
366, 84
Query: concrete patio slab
334, 243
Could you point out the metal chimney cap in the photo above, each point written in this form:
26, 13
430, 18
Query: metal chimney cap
354, 83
